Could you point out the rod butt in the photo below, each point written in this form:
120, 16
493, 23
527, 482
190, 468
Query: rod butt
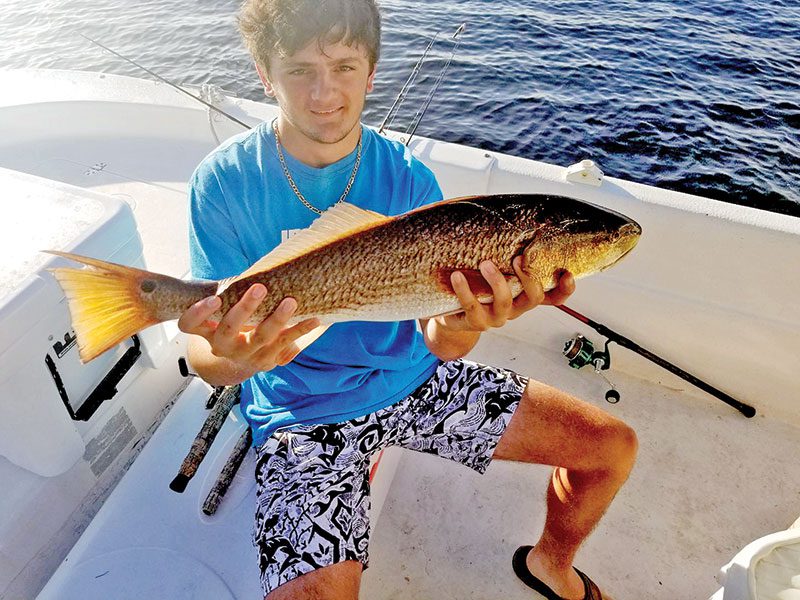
179, 483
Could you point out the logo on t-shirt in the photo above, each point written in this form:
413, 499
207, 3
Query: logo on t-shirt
287, 233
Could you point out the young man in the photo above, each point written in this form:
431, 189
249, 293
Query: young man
318, 415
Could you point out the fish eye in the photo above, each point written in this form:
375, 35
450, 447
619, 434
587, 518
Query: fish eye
147, 286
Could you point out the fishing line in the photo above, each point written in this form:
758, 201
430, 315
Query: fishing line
495, 213
169, 83
412, 128
400, 98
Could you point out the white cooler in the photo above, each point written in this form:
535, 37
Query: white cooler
41, 378
63, 425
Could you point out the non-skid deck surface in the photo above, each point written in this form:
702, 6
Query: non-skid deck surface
707, 482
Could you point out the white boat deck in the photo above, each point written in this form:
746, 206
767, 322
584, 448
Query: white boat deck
707, 482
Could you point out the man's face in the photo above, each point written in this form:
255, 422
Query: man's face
321, 92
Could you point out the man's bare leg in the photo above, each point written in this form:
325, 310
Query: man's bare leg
593, 453
336, 582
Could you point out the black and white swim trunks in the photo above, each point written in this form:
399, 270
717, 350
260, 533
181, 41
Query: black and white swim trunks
312, 481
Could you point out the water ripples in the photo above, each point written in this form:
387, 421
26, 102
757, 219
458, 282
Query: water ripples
692, 95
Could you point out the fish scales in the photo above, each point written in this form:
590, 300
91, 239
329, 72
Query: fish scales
395, 265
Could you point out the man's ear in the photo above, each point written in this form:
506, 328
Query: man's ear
371, 79
268, 89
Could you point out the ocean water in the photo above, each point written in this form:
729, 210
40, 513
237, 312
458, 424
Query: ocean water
700, 96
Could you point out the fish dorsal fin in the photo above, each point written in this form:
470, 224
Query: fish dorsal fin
337, 222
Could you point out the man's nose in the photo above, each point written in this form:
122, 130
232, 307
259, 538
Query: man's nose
322, 86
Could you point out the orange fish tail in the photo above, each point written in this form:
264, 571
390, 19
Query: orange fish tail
105, 302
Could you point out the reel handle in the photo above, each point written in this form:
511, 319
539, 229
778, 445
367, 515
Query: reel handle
580, 352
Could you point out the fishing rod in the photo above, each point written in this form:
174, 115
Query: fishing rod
400, 98
169, 83
412, 128
580, 356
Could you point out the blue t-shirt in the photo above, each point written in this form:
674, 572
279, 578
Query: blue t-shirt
241, 207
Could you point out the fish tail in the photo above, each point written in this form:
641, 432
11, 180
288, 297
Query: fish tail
107, 302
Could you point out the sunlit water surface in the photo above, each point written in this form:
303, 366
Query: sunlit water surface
698, 96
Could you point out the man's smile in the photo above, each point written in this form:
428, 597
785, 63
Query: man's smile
325, 113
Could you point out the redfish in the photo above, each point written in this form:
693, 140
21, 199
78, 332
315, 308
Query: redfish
354, 264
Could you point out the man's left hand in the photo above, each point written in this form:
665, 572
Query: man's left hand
480, 317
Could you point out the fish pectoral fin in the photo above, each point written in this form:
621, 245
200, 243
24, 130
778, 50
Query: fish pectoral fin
447, 314
305, 340
479, 286
337, 222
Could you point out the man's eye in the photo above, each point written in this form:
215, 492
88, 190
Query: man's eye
346, 68
298, 72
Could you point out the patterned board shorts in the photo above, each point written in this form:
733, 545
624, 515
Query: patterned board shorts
313, 481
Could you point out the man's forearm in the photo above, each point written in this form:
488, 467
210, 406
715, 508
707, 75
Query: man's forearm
448, 344
214, 370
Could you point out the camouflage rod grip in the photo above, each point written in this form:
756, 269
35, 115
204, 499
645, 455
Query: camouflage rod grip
205, 438
228, 472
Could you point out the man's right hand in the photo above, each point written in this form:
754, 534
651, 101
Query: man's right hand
242, 350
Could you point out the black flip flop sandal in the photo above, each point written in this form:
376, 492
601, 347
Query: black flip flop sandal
591, 591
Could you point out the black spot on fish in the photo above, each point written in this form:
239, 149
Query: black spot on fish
148, 285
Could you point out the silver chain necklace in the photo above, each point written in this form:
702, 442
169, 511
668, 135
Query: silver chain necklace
293, 185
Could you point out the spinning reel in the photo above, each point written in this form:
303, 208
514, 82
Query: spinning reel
580, 352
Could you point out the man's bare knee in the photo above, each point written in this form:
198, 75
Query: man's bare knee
552, 427
336, 582
619, 447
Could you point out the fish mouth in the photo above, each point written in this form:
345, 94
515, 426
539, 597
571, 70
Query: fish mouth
629, 235
631, 228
